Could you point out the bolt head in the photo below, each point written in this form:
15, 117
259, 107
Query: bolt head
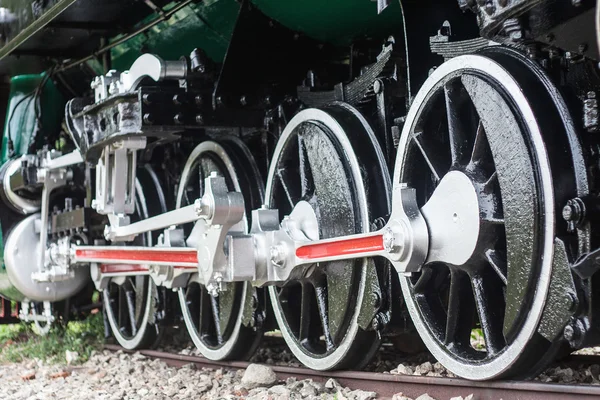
568, 212
277, 255
569, 332
375, 324
377, 87
148, 119
392, 241
198, 206
178, 119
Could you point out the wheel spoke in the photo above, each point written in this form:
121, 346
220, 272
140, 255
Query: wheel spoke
490, 314
491, 183
424, 279
282, 181
321, 294
435, 169
497, 264
461, 309
204, 312
455, 96
480, 148
305, 312
306, 179
120, 308
130, 296
214, 304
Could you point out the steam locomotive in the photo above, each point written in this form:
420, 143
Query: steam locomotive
347, 172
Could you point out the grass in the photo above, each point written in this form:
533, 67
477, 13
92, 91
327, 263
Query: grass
19, 342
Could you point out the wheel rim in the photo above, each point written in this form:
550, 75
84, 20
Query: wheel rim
219, 326
509, 273
129, 303
317, 312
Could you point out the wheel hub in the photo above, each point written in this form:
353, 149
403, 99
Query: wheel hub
452, 216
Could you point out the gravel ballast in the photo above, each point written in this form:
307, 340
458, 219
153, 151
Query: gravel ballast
116, 376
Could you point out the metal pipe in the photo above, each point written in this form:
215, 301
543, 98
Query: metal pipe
163, 17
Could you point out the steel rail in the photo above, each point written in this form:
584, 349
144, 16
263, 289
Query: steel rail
386, 385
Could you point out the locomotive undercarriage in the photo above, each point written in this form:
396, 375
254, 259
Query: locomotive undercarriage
397, 202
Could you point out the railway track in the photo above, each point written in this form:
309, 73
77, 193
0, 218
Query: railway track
386, 385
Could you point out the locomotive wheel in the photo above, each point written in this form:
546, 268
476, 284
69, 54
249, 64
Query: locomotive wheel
474, 117
130, 303
227, 326
315, 162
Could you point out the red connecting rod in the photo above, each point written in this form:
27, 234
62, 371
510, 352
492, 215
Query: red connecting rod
136, 259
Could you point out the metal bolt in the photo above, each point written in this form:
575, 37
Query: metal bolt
178, 99
243, 101
489, 8
178, 119
377, 86
512, 28
576, 3
212, 289
390, 241
147, 99
277, 255
198, 207
375, 324
380, 321
199, 101
199, 119
568, 212
574, 213
148, 119
569, 332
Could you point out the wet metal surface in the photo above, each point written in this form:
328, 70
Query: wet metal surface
386, 385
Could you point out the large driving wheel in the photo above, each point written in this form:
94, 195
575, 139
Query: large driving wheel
229, 325
480, 118
131, 302
329, 160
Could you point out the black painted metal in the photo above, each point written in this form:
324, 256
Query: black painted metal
492, 291
128, 300
320, 304
214, 317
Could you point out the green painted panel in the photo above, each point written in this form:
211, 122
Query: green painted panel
207, 25
20, 124
334, 21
